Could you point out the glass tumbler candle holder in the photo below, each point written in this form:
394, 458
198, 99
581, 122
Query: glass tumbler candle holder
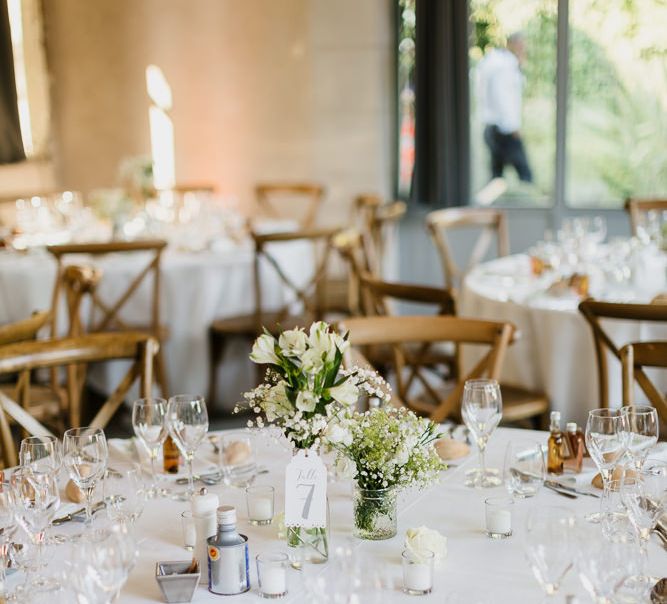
417, 572
189, 531
260, 504
272, 574
498, 517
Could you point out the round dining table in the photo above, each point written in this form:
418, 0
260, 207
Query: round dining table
554, 352
476, 569
196, 288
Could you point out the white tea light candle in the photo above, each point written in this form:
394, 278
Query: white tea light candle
499, 517
417, 572
260, 500
272, 574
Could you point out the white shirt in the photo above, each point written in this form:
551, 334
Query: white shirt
499, 90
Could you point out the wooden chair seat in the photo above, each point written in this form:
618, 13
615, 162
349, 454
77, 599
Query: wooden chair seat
520, 404
43, 405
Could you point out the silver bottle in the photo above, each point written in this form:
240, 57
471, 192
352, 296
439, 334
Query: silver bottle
228, 566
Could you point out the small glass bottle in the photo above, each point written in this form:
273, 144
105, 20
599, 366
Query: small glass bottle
170, 455
555, 447
575, 441
228, 566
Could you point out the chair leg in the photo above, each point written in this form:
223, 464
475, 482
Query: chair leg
216, 346
160, 371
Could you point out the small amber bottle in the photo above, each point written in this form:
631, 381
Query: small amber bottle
575, 442
555, 447
170, 454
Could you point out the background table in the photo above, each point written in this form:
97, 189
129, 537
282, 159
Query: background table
197, 287
476, 567
555, 353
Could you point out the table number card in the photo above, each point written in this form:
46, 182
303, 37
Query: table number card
306, 491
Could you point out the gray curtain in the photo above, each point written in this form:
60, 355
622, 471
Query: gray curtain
11, 145
442, 129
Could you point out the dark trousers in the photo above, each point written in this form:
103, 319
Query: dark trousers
507, 149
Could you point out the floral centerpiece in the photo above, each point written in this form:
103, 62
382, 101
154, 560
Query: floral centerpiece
384, 450
305, 389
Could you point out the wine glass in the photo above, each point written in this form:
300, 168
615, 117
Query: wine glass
7, 530
124, 493
41, 454
187, 420
35, 498
149, 420
605, 444
549, 545
85, 455
524, 468
639, 427
482, 409
644, 493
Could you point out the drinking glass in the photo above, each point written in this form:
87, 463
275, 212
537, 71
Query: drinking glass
41, 453
644, 494
482, 409
524, 468
85, 455
603, 564
639, 427
187, 421
7, 530
549, 546
605, 444
35, 498
615, 520
236, 458
149, 420
124, 492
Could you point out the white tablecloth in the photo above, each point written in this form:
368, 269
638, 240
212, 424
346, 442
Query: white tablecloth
197, 287
475, 567
555, 353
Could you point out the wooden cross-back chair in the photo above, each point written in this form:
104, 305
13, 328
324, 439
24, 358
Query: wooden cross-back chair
270, 195
489, 222
637, 209
349, 244
23, 330
593, 311
399, 331
636, 356
310, 296
25, 357
106, 315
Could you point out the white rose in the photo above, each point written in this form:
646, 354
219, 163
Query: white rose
418, 540
337, 434
292, 342
306, 401
263, 350
345, 468
346, 393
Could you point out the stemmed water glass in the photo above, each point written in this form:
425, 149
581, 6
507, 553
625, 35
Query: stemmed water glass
482, 409
639, 427
149, 420
85, 455
549, 546
35, 498
7, 530
644, 493
187, 420
41, 454
605, 444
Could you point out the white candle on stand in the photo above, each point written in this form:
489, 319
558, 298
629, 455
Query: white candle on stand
261, 508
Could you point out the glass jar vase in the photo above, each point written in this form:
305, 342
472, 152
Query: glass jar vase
374, 513
308, 545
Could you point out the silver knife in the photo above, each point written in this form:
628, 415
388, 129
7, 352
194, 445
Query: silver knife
560, 491
76, 514
564, 487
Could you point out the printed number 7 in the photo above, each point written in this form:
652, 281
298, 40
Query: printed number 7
307, 500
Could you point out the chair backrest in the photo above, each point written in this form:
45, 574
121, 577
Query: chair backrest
26, 357
272, 199
105, 315
349, 244
312, 292
26, 329
488, 221
193, 187
399, 331
636, 356
593, 311
637, 208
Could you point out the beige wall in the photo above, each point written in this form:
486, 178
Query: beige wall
263, 89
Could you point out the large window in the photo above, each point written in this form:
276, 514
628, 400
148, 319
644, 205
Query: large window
406, 95
568, 101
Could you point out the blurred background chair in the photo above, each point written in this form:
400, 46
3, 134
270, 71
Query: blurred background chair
643, 212
299, 201
634, 358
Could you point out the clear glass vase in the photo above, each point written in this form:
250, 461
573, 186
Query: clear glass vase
374, 513
308, 545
